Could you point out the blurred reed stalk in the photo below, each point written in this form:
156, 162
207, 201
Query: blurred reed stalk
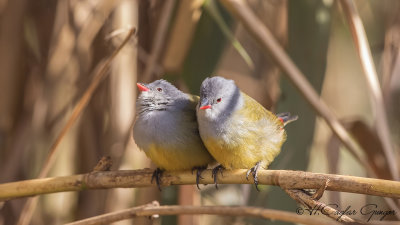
261, 33
101, 74
123, 96
364, 52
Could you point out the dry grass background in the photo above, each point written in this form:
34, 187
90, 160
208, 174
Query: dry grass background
50, 51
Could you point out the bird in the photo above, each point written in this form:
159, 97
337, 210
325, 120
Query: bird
166, 129
237, 130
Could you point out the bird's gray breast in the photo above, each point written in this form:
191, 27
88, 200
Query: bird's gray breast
212, 128
165, 128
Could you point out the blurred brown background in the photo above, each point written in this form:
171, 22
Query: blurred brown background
50, 50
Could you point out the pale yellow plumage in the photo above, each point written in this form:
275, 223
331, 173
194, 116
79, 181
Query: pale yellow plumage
238, 131
253, 134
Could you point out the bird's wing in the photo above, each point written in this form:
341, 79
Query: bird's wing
257, 111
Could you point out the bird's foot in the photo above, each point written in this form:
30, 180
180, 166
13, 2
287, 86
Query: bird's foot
254, 172
157, 176
215, 171
199, 170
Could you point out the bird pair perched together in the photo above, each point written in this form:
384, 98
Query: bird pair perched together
178, 131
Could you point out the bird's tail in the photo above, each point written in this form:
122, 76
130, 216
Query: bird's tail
286, 117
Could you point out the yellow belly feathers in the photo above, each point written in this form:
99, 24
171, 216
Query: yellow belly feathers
258, 138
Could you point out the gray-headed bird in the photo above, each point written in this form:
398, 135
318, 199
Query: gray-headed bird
238, 131
166, 129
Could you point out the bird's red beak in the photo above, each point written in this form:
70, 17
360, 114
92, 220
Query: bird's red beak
142, 87
205, 107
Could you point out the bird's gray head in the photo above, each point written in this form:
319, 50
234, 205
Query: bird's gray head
219, 97
159, 95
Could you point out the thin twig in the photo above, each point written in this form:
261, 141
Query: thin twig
159, 39
152, 209
367, 63
303, 198
109, 218
30, 205
266, 40
286, 179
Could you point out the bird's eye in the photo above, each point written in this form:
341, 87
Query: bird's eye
219, 100
159, 89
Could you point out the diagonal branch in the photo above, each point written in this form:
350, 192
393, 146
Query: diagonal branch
155, 209
30, 205
286, 179
367, 63
263, 36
